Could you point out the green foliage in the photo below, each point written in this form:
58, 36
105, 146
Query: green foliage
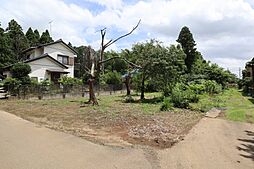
187, 42
5, 54
218, 74
246, 84
117, 64
18, 41
20, 70
161, 66
182, 96
166, 104
212, 87
45, 83
69, 82
11, 85
112, 78
45, 38
33, 37
205, 86
36, 37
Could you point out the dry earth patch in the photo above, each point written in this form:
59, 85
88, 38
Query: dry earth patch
113, 122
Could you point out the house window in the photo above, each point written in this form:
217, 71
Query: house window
34, 79
63, 59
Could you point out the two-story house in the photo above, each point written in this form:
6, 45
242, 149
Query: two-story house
49, 61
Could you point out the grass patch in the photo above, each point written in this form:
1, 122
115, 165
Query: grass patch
237, 107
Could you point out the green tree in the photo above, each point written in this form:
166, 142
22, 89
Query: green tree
20, 72
36, 37
5, 51
31, 37
186, 39
117, 64
46, 38
18, 41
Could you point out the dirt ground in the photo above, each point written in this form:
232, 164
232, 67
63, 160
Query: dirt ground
112, 123
212, 143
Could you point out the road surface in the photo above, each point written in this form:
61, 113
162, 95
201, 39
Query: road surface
212, 143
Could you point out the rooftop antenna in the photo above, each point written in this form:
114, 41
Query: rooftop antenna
50, 25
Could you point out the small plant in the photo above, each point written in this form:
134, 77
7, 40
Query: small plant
11, 85
212, 87
166, 104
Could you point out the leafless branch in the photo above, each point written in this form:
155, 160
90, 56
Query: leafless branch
132, 64
113, 41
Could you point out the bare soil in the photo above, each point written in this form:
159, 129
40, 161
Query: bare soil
112, 123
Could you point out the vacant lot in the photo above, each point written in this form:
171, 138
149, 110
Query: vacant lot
113, 122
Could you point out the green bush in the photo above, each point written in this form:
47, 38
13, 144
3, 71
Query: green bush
197, 88
212, 87
182, 96
20, 70
69, 82
112, 78
11, 85
166, 104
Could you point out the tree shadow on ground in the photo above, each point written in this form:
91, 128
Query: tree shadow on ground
251, 100
154, 100
247, 145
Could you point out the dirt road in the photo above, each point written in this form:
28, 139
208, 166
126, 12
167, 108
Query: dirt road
212, 143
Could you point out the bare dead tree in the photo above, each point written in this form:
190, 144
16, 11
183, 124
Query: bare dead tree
104, 46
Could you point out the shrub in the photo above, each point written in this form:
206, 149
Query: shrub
197, 88
212, 87
182, 96
69, 82
12, 85
112, 78
20, 70
166, 104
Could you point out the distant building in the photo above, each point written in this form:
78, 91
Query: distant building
49, 61
249, 70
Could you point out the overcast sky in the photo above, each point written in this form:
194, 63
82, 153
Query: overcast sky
223, 29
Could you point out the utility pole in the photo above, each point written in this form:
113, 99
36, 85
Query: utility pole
50, 29
240, 72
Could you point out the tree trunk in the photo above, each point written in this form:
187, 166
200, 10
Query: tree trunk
142, 96
92, 97
127, 84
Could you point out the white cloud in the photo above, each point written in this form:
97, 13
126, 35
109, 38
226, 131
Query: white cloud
112, 4
223, 30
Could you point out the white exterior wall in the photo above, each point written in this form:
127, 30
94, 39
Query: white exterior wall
36, 53
60, 49
40, 66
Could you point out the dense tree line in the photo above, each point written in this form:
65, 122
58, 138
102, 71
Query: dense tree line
163, 67
176, 70
13, 41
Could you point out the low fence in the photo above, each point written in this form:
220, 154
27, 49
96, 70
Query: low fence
56, 91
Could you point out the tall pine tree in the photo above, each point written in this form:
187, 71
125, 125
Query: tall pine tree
5, 51
188, 44
18, 40
36, 37
30, 37
46, 38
